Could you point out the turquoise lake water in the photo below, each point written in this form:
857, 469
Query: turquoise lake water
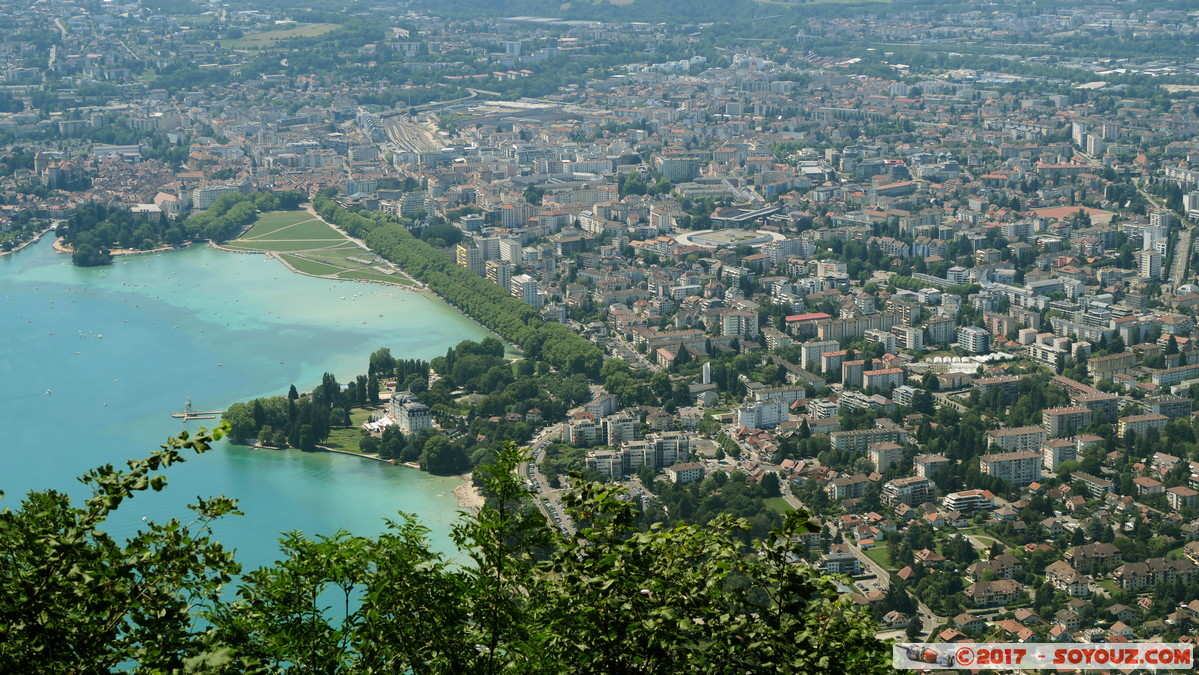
119, 348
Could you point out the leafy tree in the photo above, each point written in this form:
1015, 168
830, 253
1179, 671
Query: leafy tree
74, 598
609, 599
770, 484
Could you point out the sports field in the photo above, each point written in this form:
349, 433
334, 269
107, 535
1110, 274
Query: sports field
310, 246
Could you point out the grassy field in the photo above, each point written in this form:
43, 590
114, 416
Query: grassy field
879, 555
272, 38
348, 439
280, 246
309, 230
344, 439
313, 247
273, 222
310, 266
778, 505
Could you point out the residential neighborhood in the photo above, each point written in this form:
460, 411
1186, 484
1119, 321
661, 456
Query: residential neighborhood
943, 305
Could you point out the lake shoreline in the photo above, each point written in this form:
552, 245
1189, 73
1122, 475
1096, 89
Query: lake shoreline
60, 247
29, 242
469, 497
195, 321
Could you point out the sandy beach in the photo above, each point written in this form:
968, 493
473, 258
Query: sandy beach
469, 498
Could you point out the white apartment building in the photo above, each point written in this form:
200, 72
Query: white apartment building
525, 287
974, 339
1018, 468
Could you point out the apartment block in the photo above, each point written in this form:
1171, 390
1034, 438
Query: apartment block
882, 380
883, 337
1096, 486
1106, 407
968, 501
1056, 451
1013, 439
1141, 424
860, 439
1104, 367
1154, 572
851, 372
974, 339
911, 491
524, 287
469, 256
940, 330
812, 351
1182, 498
849, 487
1018, 468
1065, 578
687, 472
1007, 384
1066, 421
839, 329
908, 337
928, 466
1170, 406
993, 593
657, 451
1093, 558
884, 455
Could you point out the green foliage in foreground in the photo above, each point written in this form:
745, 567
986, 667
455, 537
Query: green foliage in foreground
609, 599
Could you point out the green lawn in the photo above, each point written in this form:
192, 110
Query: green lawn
989, 541
340, 255
348, 439
309, 230
323, 250
1108, 585
879, 555
344, 439
272, 38
310, 266
280, 246
778, 505
274, 220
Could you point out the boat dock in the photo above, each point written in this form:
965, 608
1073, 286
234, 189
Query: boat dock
198, 415
189, 414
